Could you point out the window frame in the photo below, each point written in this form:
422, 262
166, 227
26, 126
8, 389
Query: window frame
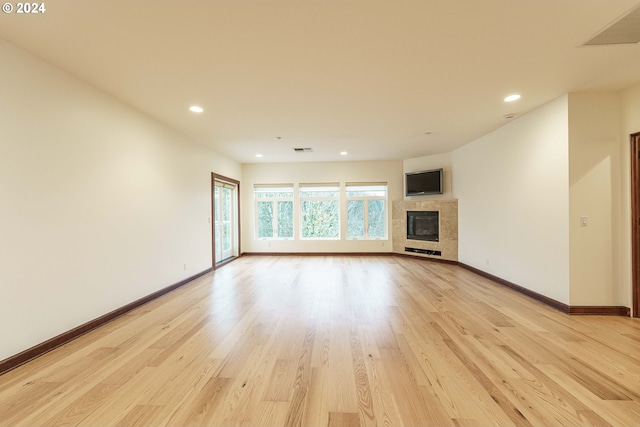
329, 187
362, 187
273, 188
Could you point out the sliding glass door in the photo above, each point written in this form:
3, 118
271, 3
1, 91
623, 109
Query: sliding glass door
225, 213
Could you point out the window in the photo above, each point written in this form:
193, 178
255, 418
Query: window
274, 211
366, 211
320, 211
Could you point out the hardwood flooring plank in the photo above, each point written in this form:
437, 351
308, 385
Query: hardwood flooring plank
28, 399
321, 345
493, 390
592, 419
268, 414
613, 363
363, 389
341, 377
614, 412
78, 410
139, 416
591, 378
201, 410
317, 413
416, 403
111, 404
280, 382
343, 419
386, 410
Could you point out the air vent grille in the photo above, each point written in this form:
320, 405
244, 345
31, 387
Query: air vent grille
302, 150
625, 30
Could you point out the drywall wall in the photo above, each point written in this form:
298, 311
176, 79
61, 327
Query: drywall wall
100, 204
296, 173
594, 198
436, 161
513, 209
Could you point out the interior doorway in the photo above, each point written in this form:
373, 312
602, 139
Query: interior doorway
225, 202
635, 218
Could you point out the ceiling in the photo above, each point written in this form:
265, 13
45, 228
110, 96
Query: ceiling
370, 77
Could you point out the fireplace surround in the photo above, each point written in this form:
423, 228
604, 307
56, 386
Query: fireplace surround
444, 247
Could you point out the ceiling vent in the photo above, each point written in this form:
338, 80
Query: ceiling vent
625, 30
302, 150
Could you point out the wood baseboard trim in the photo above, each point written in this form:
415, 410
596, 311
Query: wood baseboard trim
568, 309
38, 350
538, 297
600, 310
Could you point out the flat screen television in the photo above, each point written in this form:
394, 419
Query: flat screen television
423, 182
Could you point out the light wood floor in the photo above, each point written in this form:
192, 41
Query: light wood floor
317, 341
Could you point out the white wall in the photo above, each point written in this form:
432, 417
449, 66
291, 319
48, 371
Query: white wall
436, 161
100, 204
513, 192
594, 183
296, 173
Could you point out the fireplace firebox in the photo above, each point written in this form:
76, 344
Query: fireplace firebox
423, 225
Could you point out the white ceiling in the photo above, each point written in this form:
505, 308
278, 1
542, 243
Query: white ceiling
365, 76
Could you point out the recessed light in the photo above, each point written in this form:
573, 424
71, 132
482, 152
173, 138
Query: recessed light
512, 98
196, 109
258, 155
343, 153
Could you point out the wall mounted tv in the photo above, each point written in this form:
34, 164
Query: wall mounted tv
423, 182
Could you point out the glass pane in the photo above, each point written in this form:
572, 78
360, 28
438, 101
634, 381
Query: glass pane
376, 217
355, 219
329, 187
366, 193
216, 204
274, 194
226, 236
320, 191
366, 190
320, 219
265, 219
217, 242
226, 204
285, 219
